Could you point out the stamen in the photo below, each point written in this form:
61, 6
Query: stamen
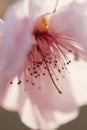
19, 82
59, 91
11, 82
55, 6
44, 23
49, 55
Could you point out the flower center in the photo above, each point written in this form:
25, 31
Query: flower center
48, 54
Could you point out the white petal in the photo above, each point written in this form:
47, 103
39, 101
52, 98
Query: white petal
1, 24
37, 107
78, 78
1, 30
65, 117
11, 96
3, 85
37, 7
50, 99
16, 39
41, 119
3, 79
31, 116
72, 21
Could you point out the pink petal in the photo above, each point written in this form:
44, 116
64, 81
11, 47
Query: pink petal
45, 108
10, 97
37, 106
3, 84
16, 37
41, 119
13, 34
32, 117
3, 79
37, 8
45, 89
71, 20
1, 24
78, 79
1, 29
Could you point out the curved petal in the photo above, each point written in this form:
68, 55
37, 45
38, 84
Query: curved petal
13, 34
78, 79
50, 99
46, 107
10, 97
3, 79
3, 84
38, 104
41, 119
1, 24
32, 117
71, 20
16, 39
37, 8
1, 29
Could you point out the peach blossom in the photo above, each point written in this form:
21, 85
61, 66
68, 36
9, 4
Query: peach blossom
40, 43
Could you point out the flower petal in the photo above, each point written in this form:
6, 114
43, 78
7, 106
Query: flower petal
38, 104
32, 117
46, 107
77, 77
44, 88
41, 119
3, 85
71, 20
10, 97
1, 29
3, 79
16, 39
37, 8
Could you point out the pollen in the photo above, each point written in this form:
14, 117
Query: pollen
44, 23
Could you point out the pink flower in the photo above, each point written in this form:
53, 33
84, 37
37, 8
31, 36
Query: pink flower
38, 45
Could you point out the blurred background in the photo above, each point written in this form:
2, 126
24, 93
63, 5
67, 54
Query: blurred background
11, 121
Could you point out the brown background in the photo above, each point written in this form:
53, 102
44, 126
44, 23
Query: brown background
11, 121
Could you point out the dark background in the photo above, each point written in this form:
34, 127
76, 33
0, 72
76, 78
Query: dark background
11, 121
